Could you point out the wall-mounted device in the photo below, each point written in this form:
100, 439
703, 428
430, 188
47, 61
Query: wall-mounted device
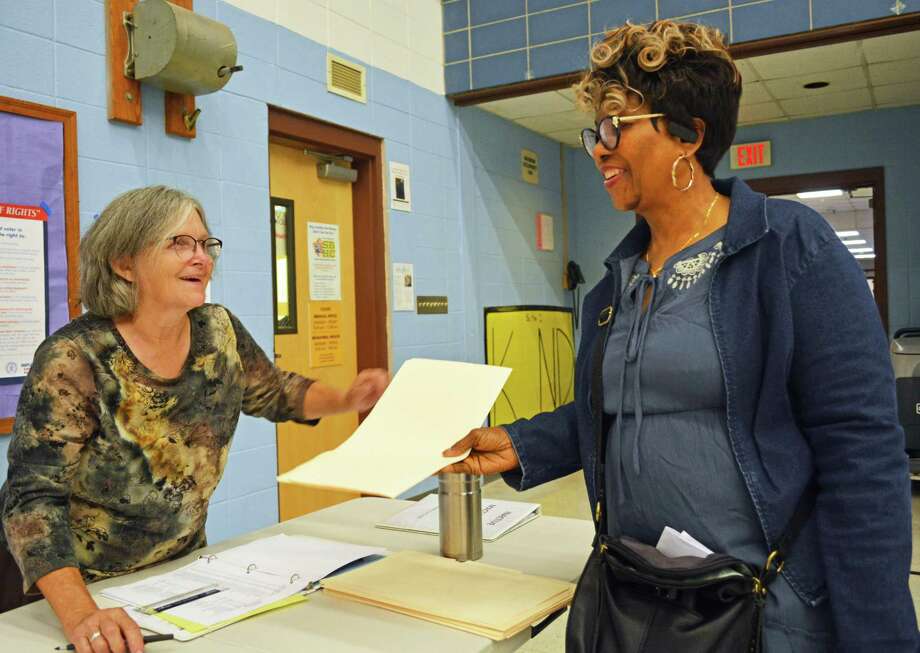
178, 50
334, 166
572, 279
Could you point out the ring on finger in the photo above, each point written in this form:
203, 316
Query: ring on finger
95, 635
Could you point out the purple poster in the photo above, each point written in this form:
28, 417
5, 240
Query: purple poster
32, 176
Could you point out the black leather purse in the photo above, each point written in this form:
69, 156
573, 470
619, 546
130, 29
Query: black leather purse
631, 598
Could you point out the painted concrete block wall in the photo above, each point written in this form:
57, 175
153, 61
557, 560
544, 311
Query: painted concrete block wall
487, 43
872, 138
53, 53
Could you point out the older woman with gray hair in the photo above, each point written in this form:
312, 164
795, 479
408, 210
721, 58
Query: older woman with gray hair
125, 421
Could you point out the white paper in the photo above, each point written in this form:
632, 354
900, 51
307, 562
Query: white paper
428, 406
325, 261
400, 191
403, 287
249, 577
675, 545
498, 517
22, 287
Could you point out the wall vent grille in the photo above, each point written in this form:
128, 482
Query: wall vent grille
346, 78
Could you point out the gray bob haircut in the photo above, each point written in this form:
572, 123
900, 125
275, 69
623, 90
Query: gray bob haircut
131, 223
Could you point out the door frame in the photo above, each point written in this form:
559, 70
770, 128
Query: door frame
846, 180
368, 219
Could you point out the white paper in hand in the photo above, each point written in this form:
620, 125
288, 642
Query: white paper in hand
428, 406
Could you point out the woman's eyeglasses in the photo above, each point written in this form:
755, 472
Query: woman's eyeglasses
185, 246
607, 131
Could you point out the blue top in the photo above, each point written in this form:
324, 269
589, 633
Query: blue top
809, 398
669, 440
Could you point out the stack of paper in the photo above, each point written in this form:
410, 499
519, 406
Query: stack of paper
498, 517
676, 545
478, 598
234, 584
428, 406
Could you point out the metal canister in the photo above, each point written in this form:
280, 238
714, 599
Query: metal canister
460, 516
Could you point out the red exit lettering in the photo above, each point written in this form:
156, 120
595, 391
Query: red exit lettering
751, 155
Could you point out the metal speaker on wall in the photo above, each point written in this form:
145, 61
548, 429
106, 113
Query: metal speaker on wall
178, 50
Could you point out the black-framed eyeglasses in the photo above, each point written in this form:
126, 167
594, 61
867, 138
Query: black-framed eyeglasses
607, 131
185, 246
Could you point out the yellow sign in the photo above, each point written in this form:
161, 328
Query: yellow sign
325, 334
530, 167
536, 342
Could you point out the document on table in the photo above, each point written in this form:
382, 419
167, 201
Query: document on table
248, 579
428, 406
498, 517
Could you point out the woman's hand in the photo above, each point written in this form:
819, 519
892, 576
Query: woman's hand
366, 389
117, 632
491, 452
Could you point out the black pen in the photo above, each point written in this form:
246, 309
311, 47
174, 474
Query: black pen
148, 639
187, 599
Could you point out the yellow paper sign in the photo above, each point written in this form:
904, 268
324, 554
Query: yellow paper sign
325, 334
530, 167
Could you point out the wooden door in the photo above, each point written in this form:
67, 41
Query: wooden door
294, 177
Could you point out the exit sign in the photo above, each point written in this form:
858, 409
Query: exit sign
751, 155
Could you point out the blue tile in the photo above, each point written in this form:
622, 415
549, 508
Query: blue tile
251, 295
110, 141
485, 11
392, 125
769, 19
250, 471
834, 12
256, 511
254, 432
301, 55
256, 80
455, 15
342, 111
28, 96
207, 192
558, 25
254, 36
206, 8
28, 62
244, 162
80, 23
717, 19
389, 89
217, 527
80, 75
427, 199
608, 14
244, 207
101, 181
426, 167
431, 106
296, 92
534, 6
672, 8
431, 137
457, 77
241, 117
29, 17
456, 46
499, 37
559, 58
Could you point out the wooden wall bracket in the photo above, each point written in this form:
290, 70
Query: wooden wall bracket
124, 93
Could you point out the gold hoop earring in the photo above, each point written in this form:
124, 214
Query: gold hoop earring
682, 157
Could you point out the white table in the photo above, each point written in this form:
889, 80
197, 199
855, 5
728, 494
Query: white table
548, 546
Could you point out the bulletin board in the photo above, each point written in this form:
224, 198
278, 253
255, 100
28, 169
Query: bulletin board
537, 343
39, 236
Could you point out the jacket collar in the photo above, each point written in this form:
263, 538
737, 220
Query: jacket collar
747, 223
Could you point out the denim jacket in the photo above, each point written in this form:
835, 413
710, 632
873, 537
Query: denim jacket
809, 396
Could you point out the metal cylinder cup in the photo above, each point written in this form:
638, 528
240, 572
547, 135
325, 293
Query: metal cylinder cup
460, 516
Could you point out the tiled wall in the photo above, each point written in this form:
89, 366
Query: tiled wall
873, 138
489, 43
52, 52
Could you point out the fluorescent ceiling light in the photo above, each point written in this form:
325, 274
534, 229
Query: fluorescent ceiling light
864, 255
846, 234
815, 194
860, 250
853, 242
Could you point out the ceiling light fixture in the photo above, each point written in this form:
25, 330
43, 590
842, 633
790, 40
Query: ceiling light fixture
864, 256
854, 242
816, 194
846, 234
860, 250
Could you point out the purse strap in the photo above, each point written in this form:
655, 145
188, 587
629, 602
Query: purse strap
777, 556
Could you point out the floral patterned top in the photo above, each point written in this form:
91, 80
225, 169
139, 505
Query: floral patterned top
112, 466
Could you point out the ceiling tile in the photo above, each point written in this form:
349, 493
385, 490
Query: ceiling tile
839, 80
566, 137
754, 93
828, 103
748, 74
760, 112
894, 46
898, 94
894, 72
576, 121
805, 62
568, 94
536, 104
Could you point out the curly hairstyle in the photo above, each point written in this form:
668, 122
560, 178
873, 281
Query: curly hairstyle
682, 70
